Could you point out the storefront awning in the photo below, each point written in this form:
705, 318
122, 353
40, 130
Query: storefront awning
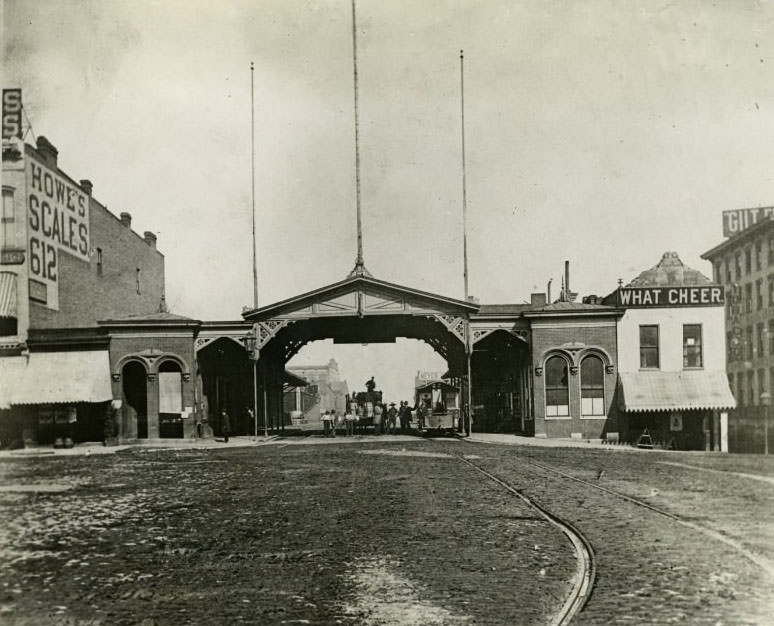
56, 377
675, 391
7, 294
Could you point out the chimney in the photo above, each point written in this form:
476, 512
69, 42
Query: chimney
47, 151
567, 290
150, 239
548, 290
537, 299
86, 186
126, 219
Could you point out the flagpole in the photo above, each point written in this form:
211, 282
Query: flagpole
468, 342
255, 254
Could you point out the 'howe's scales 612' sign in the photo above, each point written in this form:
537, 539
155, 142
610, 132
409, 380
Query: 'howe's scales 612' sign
58, 219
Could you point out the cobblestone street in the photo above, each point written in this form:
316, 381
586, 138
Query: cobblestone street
380, 531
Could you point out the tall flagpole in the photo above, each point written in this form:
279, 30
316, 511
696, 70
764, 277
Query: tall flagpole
464, 184
255, 254
468, 342
252, 182
359, 269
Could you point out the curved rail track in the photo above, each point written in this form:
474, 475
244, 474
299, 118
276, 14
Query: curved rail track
761, 562
585, 574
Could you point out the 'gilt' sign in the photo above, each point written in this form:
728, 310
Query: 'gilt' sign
706, 295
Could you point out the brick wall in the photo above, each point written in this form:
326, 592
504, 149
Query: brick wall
88, 293
598, 338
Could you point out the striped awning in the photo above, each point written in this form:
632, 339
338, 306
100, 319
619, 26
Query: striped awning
675, 391
7, 294
55, 378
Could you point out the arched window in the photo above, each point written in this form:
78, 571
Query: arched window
592, 386
557, 394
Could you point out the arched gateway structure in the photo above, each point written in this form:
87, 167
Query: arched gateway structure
358, 309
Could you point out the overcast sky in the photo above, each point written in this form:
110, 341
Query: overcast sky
601, 132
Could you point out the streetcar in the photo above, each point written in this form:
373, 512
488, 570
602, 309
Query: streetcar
438, 406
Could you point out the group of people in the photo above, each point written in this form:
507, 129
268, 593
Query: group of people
387, 419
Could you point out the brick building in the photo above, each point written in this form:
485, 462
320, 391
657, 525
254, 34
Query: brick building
744, 265
325, 390
66, 262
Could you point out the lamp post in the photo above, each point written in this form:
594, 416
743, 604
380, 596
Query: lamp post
766, 402
250, 344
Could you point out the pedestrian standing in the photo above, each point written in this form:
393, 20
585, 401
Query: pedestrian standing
326, 420
334, 422
392, 415
225, 424
349, 424
378, 414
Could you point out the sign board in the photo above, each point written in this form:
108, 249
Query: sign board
737, 220
12, 113
58, 219
644, 297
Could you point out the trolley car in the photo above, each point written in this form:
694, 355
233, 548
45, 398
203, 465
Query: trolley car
438, 406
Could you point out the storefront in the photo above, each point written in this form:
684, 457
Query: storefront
55, 398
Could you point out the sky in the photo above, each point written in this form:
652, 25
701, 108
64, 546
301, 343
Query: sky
599, 132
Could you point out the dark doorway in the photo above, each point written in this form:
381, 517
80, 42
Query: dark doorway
136, 395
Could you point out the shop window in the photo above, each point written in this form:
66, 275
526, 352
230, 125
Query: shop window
592, 386
9, 214
557, 390
758, 255
748, 260
760, 331
692, 348
649, 357
759, 294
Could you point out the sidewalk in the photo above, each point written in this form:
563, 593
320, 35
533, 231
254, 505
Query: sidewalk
95, 447
521, 440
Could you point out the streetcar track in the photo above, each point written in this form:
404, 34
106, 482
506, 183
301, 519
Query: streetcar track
761, 562
585, 574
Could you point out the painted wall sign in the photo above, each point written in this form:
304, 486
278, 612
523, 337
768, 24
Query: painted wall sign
12, 113
642, 297
737, 220
58, 219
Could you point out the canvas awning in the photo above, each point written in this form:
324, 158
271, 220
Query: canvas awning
675, 391
55, 378
7, 294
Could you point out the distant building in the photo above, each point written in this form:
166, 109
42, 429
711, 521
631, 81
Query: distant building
744, 265
325, 391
